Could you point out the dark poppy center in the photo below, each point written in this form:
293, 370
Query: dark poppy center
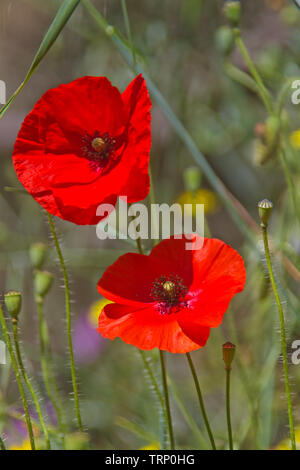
169, 293
98, 148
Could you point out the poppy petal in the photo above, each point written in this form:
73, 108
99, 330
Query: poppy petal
135, 161
130, 279
197, 333
179, 258
219, 274
145, 329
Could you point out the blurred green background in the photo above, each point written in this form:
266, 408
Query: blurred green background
178, 44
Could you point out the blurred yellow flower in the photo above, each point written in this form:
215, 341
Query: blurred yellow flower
25, 445
95, 310
286, 443
152, 446
295, 139
201, 196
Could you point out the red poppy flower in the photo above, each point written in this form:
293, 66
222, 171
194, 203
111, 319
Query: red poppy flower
84, 144
171, 298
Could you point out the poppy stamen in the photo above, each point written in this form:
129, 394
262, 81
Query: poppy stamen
98, 144
98, 148
169, 292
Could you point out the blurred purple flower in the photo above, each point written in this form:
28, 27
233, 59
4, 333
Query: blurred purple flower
88, 343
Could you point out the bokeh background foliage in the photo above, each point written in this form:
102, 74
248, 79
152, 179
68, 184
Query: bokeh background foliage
198, 109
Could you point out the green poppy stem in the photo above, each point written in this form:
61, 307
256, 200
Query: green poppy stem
68, 318
164, 406
154, 382
128, 30
265, 95
18, 378
28, 383
282, 336
47, 365
167, 400
228, 414
201, 402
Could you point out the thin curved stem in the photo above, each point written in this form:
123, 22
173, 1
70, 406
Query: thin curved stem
228, 414
128, 31
68, 318
167, 401
266, 98
265, 95
28, 383
18, 378
46, 363
201, 402
282, 337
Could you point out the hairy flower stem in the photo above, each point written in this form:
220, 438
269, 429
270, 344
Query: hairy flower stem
167, 401
28, 383
153, 381
18, 378
164, 406
47, 365
68, 319
201, 402
282, 335
228, 414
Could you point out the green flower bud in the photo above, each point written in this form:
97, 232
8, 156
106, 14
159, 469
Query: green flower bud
13, 302
224, 39
192, 178
37, 254
232, 12
42, 283
264, 211
228, 354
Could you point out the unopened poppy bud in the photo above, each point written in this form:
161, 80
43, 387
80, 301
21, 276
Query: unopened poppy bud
264, 211
13, 302
232, 12
37, 255
224, 39
42, 283
192, 178
228, 354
